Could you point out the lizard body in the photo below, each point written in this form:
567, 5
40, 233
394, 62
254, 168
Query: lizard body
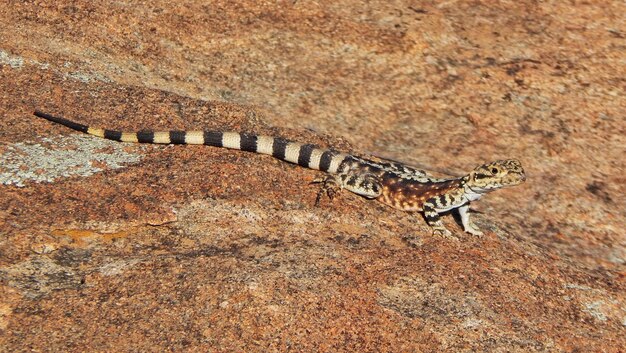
392, 183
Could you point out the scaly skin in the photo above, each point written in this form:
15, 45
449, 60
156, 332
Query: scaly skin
409, 189
392, 183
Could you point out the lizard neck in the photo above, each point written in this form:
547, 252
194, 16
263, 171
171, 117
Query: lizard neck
469, 193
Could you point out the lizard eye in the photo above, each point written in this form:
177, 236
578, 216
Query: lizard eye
494, 170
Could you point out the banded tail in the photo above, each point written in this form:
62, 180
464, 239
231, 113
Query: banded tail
305, 155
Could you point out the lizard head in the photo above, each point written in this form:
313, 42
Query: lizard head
496, 175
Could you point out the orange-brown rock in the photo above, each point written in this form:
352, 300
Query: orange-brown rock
119, 247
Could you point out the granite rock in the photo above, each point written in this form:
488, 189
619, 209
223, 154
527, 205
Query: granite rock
119, 247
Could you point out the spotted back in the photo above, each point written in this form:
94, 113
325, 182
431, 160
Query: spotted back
410, 195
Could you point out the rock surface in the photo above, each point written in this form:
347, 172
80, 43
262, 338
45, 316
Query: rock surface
116, 247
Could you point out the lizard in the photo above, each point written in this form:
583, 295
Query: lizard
392, 183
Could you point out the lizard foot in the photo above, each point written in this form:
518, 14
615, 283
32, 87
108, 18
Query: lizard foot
473, 230
444, 233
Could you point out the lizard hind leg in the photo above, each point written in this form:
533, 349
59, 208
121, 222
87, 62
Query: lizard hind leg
329, 186
364, 184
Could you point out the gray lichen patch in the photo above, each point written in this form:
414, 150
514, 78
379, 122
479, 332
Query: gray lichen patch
15, 62
61, 157
87, 77
40, 275
595, 309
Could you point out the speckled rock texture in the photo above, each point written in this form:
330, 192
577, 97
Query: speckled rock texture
125, 248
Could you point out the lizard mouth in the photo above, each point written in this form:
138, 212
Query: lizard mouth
515, 179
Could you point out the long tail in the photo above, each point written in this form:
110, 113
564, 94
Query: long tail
305, 155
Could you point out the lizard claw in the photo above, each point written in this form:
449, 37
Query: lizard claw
318, 180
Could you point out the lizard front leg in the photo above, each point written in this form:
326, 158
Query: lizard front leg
442, 203
468, 225
434, 220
